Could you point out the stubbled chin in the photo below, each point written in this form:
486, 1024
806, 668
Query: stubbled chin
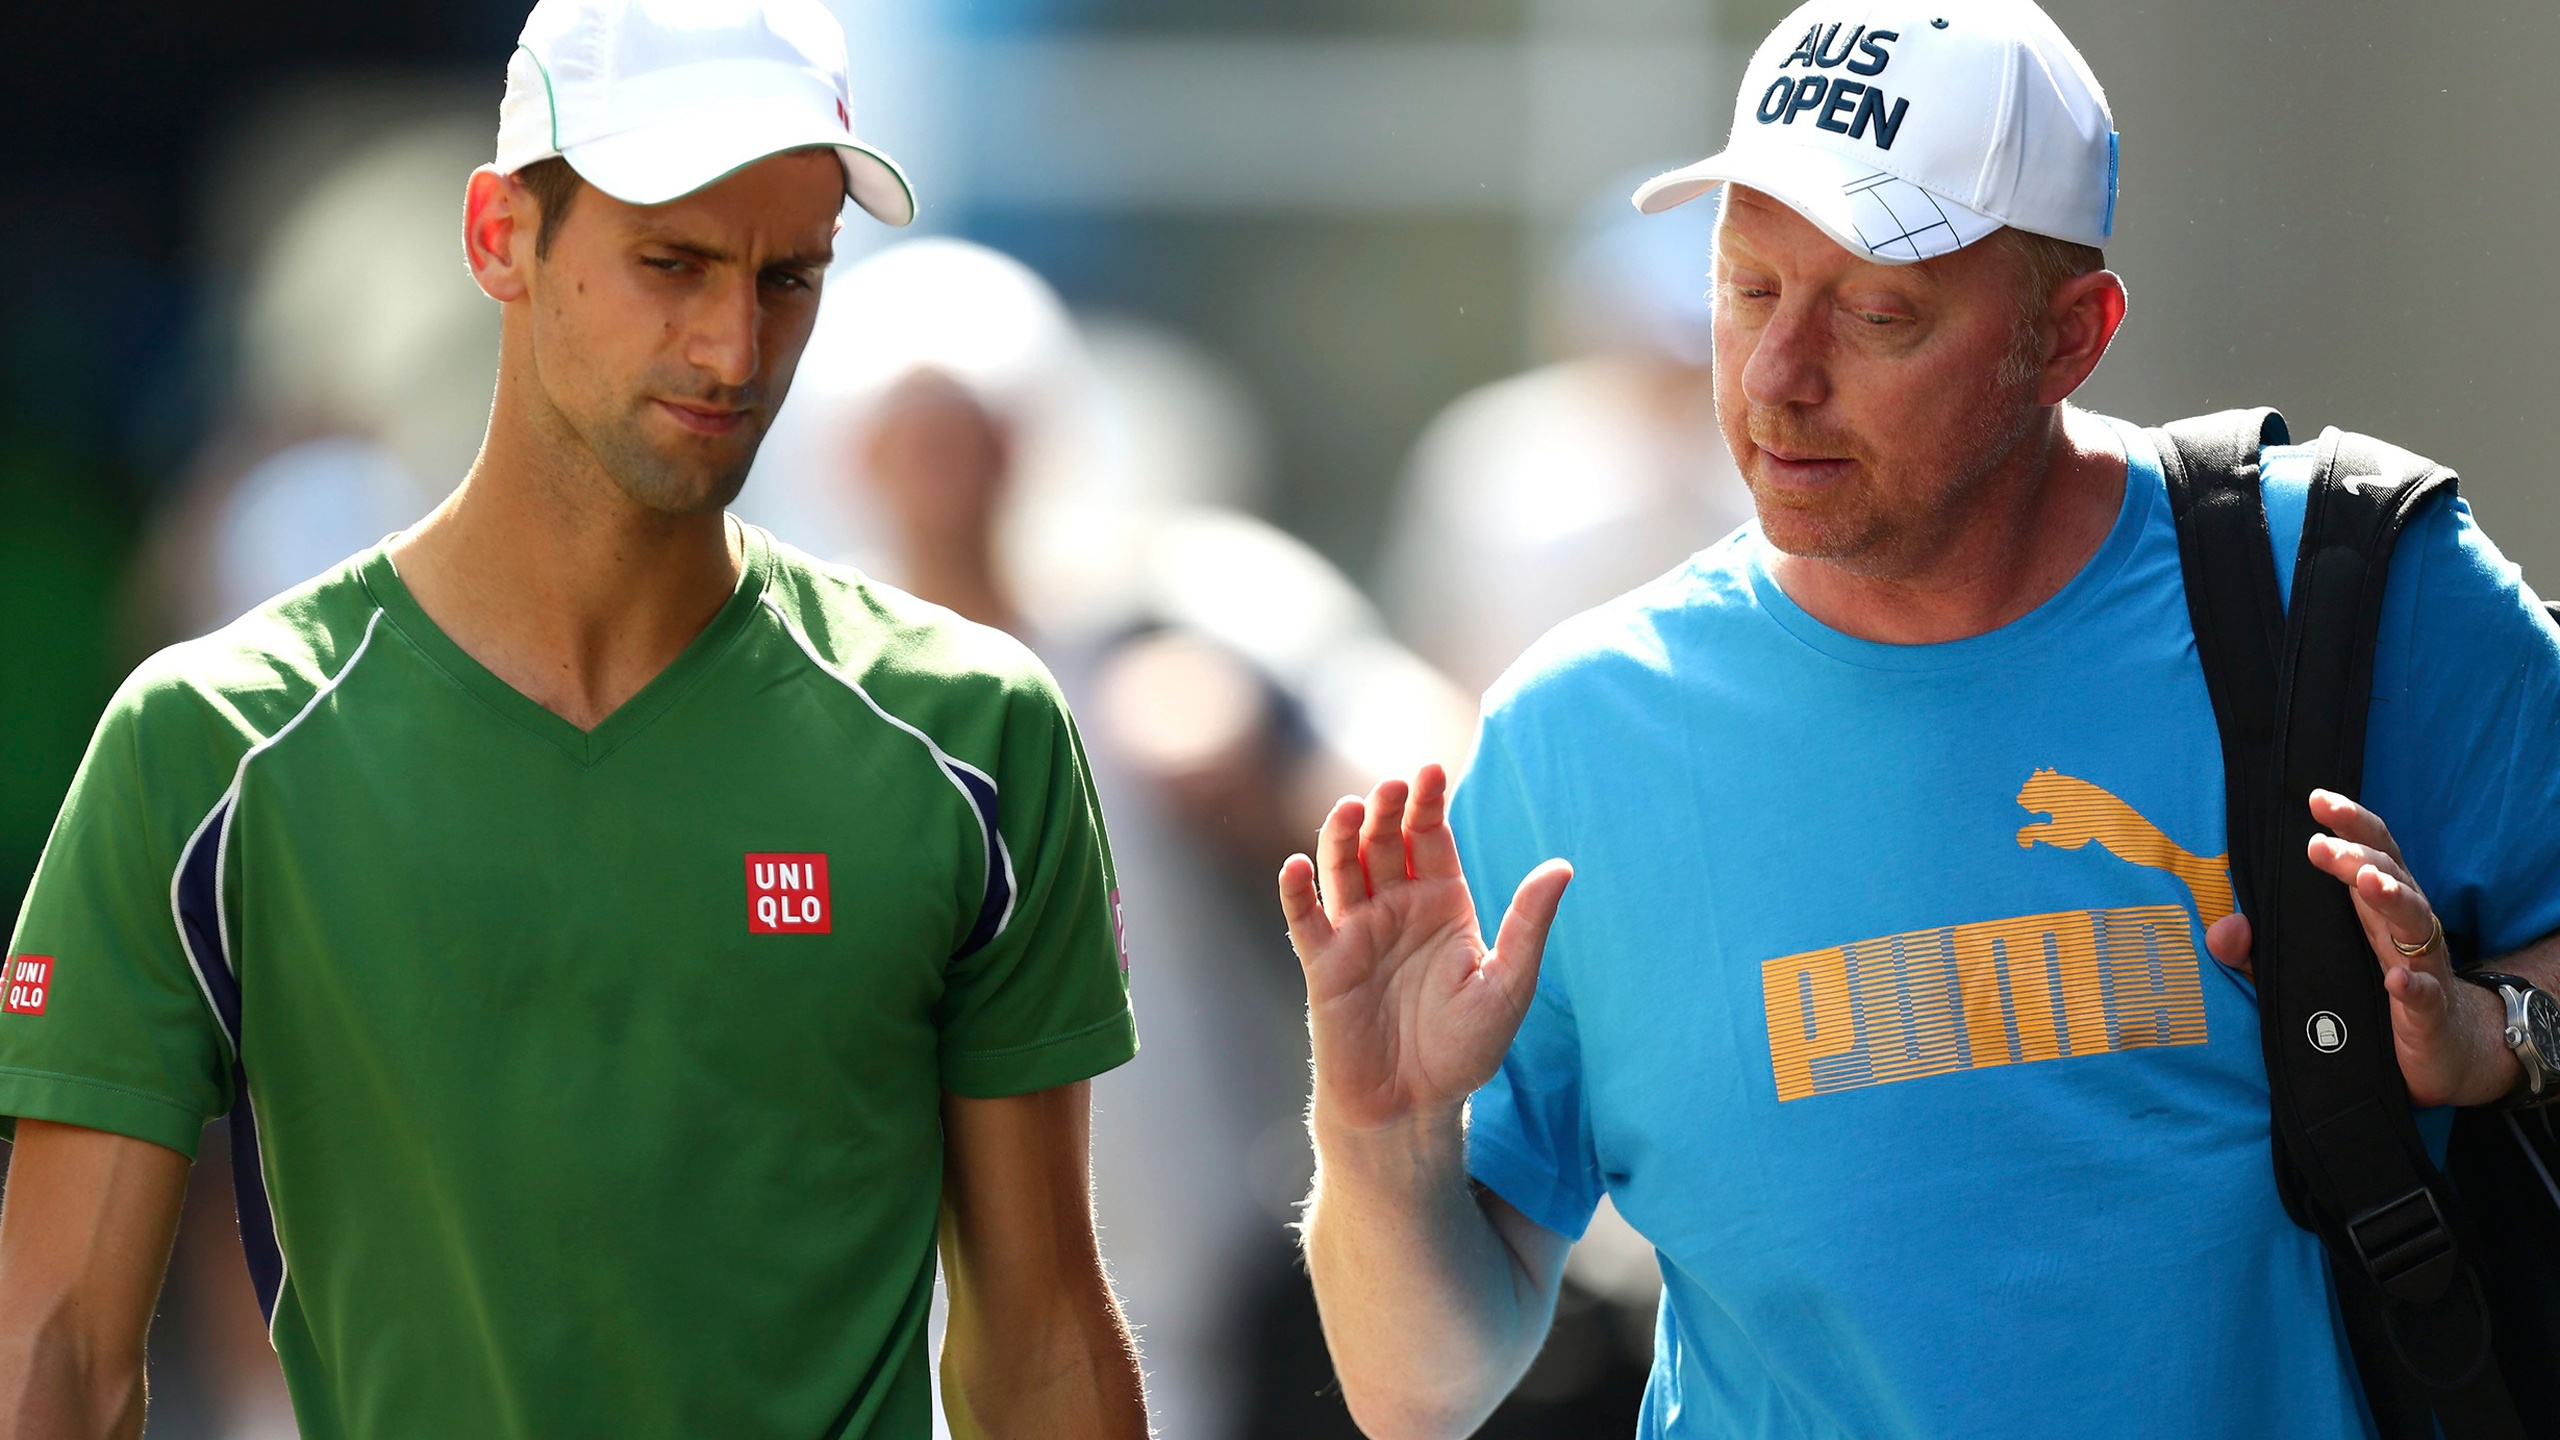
1808, 527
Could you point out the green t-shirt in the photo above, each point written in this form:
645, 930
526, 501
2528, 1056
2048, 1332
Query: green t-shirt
597, 1074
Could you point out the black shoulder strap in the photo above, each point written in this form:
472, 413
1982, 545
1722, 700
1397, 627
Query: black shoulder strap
2290, 691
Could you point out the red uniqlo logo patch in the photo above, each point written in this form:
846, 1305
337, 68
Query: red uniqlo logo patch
30, 981
787, 895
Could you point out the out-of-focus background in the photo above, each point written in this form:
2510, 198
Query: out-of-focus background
1277, 368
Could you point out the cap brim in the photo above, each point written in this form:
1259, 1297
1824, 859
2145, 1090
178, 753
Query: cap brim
680, 154
1881, 216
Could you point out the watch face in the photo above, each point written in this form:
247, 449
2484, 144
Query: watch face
2542, 1023
2543, 1018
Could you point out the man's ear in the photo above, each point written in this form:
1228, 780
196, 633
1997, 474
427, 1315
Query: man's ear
2087, 311
500, 223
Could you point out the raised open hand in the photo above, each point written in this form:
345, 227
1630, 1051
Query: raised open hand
2446, 1031
1409, 1011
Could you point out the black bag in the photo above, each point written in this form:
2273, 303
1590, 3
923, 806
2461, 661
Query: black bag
2449, 1281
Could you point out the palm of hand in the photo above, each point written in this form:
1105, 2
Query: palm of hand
1408, 1008
1405, 1019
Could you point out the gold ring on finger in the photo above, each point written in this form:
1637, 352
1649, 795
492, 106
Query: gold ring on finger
2423, 946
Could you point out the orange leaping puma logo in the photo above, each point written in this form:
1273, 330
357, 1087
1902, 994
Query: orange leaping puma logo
2081, 812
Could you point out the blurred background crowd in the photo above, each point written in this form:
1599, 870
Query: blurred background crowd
1277, 369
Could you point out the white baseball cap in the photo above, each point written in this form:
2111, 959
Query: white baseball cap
650, 100
1908, 130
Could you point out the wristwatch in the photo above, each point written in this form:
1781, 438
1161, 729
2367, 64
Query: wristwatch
2532, 1031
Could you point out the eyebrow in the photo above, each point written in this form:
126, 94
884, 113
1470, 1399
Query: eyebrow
713, 255
690, 248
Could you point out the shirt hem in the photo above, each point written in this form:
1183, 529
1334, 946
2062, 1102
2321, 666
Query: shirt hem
1042, 1064
1524, 1184
97, 1105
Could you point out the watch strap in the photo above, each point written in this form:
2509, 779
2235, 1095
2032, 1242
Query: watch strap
2539, 1085
2493, 979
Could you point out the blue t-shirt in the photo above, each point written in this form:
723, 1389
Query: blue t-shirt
1880, 1004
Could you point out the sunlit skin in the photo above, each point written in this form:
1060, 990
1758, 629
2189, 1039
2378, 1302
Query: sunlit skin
640, 362
1919, 487
664, 337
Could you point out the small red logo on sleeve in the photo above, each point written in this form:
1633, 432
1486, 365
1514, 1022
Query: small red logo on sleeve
787, 895
30, 981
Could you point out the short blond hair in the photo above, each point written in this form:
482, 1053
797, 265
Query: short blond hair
2046, 265
2049, 262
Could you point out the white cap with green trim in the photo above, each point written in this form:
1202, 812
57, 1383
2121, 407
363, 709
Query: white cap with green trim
650, 100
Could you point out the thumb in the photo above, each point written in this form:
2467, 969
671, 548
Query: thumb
2227, 940
1523, 940
2421, 1003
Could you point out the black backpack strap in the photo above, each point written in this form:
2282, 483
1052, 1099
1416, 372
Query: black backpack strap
2211, 465
2348, 1158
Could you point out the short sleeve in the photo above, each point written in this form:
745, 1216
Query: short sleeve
1528, 1130
105, 1025
1045, 1002
2463, 750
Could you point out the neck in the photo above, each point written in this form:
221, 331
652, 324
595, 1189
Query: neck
2025, 530
542, 569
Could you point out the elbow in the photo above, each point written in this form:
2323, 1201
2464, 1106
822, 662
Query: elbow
1394, 1417
1449, 1406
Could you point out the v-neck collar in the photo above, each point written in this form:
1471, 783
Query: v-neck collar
587, 747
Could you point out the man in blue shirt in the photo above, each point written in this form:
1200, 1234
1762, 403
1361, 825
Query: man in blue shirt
1901, 1004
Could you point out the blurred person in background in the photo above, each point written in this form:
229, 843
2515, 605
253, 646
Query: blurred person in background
954, 429
363, 379
573, 1120
1540, 496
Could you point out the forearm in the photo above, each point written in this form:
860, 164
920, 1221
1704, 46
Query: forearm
57, 1385
1071, 1373
1037, 1348
2538, 962
85, 1229
1431, 1313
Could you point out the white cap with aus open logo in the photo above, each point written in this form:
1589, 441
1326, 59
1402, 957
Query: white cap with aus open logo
1905, 131
650, 100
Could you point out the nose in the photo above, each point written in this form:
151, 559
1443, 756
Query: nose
1789, 357
727, 328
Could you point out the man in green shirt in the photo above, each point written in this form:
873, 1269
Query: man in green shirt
622, 944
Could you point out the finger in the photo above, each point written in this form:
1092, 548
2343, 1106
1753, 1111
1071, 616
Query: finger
1338, 858
2421, 1009
1382, 835
1309, 930
2227, 940
1523, 938
2350, 821
2405, 914
2343, 860
1432, 845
